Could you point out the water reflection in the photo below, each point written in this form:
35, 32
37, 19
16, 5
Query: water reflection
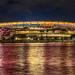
52, 60
27, 59
66, 60
36, 60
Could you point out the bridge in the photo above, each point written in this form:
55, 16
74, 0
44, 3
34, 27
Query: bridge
40, 30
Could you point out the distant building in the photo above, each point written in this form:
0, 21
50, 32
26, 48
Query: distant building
37, 30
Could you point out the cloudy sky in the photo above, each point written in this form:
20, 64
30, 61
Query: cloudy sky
21, 10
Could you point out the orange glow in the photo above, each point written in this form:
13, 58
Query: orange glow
36, 22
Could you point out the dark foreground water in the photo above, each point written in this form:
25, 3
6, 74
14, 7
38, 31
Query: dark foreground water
27, 59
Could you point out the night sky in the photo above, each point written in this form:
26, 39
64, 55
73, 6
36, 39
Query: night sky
28, 10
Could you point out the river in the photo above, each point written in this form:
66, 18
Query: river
37, 59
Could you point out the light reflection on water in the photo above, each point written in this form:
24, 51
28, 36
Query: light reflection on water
28, 59
36, 58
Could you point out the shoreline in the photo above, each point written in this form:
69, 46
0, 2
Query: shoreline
39, 44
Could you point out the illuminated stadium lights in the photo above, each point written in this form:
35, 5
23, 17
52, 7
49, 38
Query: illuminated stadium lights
42, 30
36, 22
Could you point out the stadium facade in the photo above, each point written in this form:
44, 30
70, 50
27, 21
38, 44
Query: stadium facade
37, 31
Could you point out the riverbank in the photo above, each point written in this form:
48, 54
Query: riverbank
39, 44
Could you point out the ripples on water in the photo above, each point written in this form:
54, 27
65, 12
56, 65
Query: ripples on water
27, 59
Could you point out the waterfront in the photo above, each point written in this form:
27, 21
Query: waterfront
36, 32
41, 59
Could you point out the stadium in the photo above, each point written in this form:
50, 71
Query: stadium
37, 31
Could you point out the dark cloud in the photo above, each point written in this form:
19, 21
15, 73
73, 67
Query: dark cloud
10, 9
